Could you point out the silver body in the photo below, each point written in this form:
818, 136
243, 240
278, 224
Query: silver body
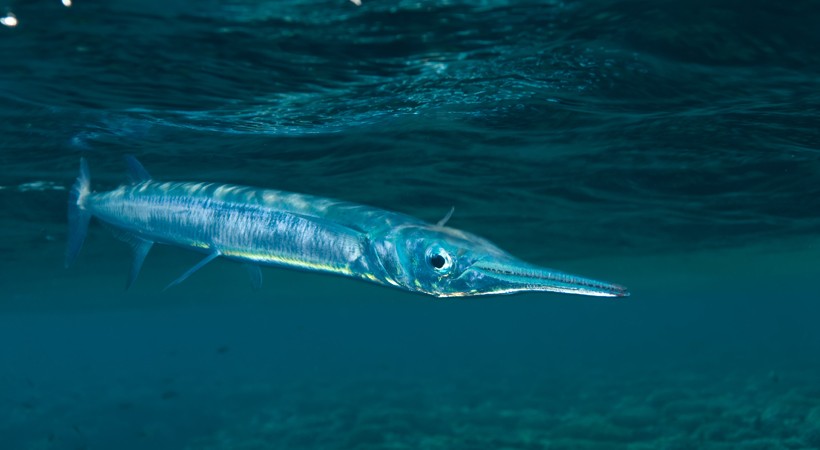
269, 227
246, 224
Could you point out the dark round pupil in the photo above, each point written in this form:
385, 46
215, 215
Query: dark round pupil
437, 261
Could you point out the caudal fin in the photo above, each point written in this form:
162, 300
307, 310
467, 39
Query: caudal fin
78, 217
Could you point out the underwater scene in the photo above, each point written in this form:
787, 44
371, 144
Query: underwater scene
668, 148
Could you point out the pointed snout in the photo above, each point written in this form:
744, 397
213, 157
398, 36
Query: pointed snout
493, 276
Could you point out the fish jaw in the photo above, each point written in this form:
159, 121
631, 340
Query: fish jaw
492, 275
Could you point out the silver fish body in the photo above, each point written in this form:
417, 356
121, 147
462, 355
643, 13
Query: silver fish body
246, 224
269, 227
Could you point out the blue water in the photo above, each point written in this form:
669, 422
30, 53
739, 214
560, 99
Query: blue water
672, 147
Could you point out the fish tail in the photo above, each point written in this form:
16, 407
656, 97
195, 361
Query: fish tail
78, 216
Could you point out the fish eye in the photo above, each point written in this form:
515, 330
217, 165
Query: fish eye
440, 260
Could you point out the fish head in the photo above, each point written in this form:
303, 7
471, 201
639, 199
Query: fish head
446, 262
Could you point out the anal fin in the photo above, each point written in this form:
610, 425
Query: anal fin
141, 250
140, 246
199, 265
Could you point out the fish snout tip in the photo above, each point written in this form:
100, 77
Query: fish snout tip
621, 291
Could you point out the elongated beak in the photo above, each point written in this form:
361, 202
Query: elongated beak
491, 276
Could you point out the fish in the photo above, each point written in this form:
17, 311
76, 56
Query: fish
266, 227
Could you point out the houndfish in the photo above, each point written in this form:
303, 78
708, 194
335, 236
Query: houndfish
265, 227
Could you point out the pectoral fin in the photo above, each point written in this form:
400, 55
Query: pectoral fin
190, 271
444, 220
255, 274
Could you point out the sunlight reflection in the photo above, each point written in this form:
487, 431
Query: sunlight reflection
10, 20
67, 3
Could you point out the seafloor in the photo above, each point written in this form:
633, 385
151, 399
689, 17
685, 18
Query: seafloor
653, 410
312, 362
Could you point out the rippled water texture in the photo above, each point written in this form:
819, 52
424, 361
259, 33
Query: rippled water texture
668, 125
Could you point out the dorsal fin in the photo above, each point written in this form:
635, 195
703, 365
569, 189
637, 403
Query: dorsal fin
136, 173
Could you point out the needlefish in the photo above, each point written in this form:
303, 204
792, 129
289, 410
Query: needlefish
264, 227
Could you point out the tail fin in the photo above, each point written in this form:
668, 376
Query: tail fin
78, 217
